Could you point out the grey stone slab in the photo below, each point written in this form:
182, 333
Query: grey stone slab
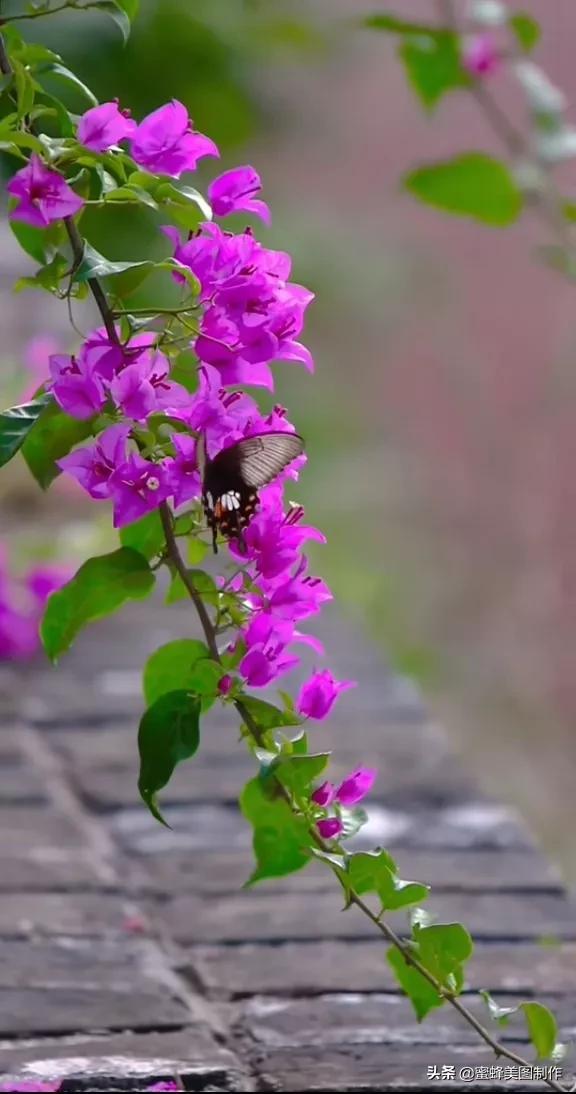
221, 872
62, 962
208, 779
26, 828
353, 1018
20, 785
23, 915
311, 968
136, 1059
266, 916
382, 1068
49, 870
58, 1010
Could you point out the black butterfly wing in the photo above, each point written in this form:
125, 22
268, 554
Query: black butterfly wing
232, 478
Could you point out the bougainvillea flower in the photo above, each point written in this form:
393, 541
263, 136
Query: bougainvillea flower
101, 127
329, 827
356, 785
25, 1086
298, 596
319, 693
144, 387
185, 480
219, 414
165, 143
234, 192
273, 539
43, 195
136, 487
76, 387
266, 662
324, 794
94, 464
169, 1085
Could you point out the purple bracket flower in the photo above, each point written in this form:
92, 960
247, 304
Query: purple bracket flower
233, 192
43, 195
104, 126
165, 143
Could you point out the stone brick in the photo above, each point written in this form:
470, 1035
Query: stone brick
306, 968
266, 916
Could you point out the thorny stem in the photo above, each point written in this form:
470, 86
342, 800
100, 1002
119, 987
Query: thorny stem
173, 556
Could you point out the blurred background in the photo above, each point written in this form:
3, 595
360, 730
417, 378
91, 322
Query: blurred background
441, 423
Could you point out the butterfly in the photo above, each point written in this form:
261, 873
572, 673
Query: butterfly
232, 479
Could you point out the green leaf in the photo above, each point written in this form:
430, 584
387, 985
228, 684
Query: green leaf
364, 869
96, 265
69, 77
25, 88
542, 1028
526, 29
52, 437
267, 715
169, 733
197, 550
118, 12
281, 840
433, 65
393, 25
376, 871
443, 948
187, 206
145, 535
297, 773
421, 994
472, 185
16, 423
171, 667
32, 240
99, 588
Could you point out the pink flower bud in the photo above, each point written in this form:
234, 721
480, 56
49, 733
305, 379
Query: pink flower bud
324, 794
480, 57
356, 786
329, 827
226, 684
319, 693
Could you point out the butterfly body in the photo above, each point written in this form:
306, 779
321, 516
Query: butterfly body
233, 477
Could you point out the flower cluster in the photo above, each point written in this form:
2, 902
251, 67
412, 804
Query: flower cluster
149, 429
351, 790
22, 603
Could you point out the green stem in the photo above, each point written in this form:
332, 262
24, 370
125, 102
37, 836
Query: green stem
49, 11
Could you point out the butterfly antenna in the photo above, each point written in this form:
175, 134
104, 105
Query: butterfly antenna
201, 456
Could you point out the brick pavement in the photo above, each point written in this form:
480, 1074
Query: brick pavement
266, 989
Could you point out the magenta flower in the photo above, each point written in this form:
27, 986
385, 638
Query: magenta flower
480, 55
233, 192
43, 195
77, 389
298, 596
324, 794
170, 1085
264, 663
136, 487
165, 143
329, 827
273, 539
356, 786
318, 695
185, 480
101, 127
220, 415
94, 465
143, 387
